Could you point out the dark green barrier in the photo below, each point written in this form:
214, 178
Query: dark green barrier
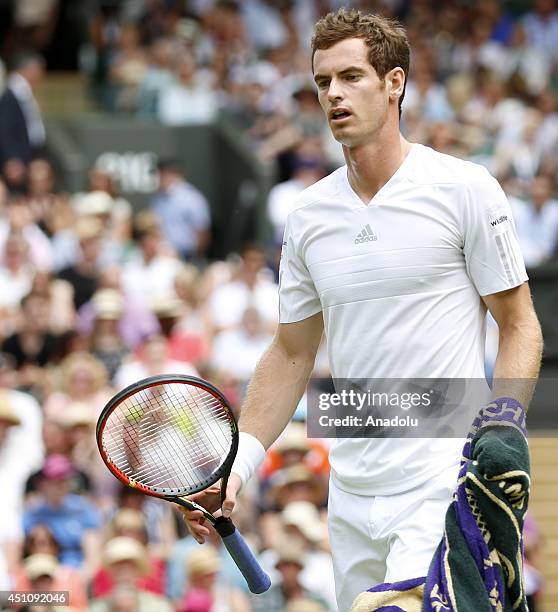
214, 158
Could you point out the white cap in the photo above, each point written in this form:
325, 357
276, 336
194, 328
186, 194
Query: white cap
305, 516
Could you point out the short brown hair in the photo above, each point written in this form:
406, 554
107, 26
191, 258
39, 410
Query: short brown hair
385, 38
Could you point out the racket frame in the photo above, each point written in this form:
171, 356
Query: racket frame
153, 381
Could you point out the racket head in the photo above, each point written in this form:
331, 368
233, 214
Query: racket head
168, 436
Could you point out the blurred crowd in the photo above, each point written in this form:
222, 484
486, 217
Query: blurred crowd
95, 295
483, 83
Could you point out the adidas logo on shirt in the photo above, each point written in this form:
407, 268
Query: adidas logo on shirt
366, 235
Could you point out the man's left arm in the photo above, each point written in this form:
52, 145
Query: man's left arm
520, 343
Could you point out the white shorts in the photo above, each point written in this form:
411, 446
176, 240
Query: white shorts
385, 539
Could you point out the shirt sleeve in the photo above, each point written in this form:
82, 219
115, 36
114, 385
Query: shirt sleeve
200, 212
492, 253
298, 298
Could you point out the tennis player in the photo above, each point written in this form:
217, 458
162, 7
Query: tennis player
397, 255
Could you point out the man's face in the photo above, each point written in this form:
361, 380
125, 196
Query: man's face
348, 83
54, 490
125, 572
541, 190
167, 176
253, 260
36, 312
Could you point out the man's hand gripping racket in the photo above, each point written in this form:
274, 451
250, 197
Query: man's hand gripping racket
174, 436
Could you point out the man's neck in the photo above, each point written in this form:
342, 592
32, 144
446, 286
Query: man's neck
370, 166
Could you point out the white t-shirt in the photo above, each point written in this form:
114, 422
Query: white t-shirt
281, 199
238, 353
537, 231
228, 302
21, 454
146, 281
399, 282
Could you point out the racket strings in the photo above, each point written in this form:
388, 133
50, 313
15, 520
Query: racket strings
164, 455
171, 438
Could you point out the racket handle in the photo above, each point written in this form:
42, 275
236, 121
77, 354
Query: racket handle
258, 581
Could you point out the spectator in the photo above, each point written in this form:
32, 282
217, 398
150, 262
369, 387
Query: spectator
20, 423
105, 341
158, 518
186, 334
83, 276
124, 558
109, 213
128, 68
541, 27
288, 588
136, 321
183, 212
228, 574
42, 573
42, 192
32, 345
19, 220
204, 593
525, 61
426, 97
534, 582
40, 553
188, 101
120, 211
294, 447
17, 273
152, 270
59, 441
282, 197
190, 338
131, 524
104, 33
22, 133
302, 521
537, 222
82, 380
157, 78
59, 295
296, 483
73, 520
251, 286
78, 429
236, 352
153, 359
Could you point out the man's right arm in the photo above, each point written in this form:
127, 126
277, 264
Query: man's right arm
274, 392
280, 379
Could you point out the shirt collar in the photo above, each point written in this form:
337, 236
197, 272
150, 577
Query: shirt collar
20, 87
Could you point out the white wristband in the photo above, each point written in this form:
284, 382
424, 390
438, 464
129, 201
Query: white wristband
249, 457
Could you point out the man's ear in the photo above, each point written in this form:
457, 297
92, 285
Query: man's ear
395, 80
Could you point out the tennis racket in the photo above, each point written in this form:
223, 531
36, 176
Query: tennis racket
170, 436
